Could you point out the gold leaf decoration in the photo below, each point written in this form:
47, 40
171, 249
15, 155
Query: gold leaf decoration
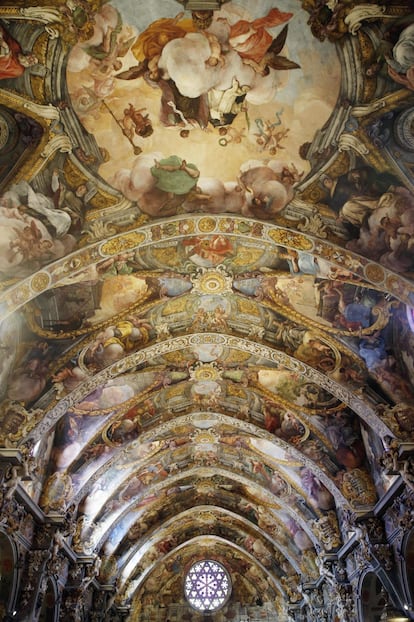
40, 281
288, 238
124, 243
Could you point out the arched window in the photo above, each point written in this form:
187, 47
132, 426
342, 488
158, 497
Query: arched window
410, 317
408, 569
373, 599
48, 609
7, 570
207, 585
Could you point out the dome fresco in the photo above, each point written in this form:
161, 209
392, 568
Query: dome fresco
209, 98
207, 334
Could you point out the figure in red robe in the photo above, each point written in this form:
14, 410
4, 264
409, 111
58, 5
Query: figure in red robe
12, 60
256, 46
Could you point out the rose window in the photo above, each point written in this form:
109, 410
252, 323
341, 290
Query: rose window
207, 585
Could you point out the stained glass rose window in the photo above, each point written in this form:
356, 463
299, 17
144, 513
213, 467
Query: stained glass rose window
207, 585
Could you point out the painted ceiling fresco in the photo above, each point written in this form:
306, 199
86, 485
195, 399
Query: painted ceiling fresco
206, 260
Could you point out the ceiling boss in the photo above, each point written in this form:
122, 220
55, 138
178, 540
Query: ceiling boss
202, 10
193, 5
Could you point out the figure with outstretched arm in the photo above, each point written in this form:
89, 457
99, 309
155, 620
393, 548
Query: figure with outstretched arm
256, 46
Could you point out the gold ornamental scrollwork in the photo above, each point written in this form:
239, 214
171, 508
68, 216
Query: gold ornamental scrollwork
16, 422
59, 142
351, 142
121, 244
206, 225
374, 273
216, 281
45, 15
290, 238
362, 13
357, 486
327, 530
40, 282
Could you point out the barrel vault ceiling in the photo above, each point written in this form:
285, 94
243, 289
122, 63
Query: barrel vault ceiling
207, 261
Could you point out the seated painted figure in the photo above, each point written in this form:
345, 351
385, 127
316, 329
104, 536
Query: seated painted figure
12, 60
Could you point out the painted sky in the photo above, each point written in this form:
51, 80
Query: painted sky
296, 101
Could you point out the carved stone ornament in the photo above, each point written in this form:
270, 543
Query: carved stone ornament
289, 584
55, 566
72, 605
404, 512
314, 225
12, 515
351, 142
202, 5
363, 553
384, 555
75, 574
361, 13
327, 530
375, 529
399, 418
34, 569
395, 461
339, 570
344, 603
212, 281
15, 422
316, 598
358, 487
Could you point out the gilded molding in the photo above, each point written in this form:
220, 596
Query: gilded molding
44, 15
59, 142
362, 12
361, 407
351, 142
20, 293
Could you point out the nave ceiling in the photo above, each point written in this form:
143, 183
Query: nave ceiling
207, 299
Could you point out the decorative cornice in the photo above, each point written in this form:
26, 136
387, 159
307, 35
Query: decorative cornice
225, 225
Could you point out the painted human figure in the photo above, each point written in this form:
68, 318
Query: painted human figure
401, 63
13, 61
